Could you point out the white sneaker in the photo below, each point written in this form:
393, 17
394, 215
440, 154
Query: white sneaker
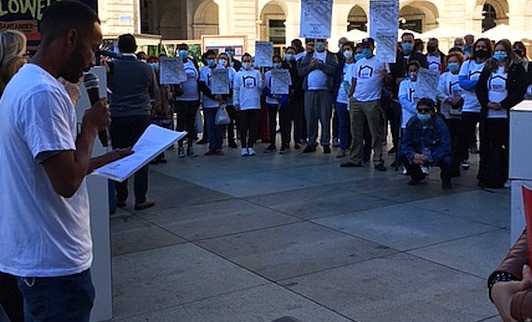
244, 152
425, 170
404, 171
251, 151
465, 165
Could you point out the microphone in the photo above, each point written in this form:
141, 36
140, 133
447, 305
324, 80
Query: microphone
93, 90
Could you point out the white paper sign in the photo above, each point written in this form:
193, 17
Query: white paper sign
263, 54
220, 81
281, 81
384, 28
172, 71
152, 142
427, 83
316, 19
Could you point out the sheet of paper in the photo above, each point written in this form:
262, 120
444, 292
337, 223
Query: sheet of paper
220, 81
427, 83
263, 54
281, 81
152, 142
384, 28
316, 19
172, 71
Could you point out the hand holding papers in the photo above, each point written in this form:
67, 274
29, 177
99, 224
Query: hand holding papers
281, 81
172, 71
383, 28
152, 142
220, 81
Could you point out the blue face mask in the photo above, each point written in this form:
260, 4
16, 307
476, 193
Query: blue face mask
211, 63
500, 55
183, 54
366, 52
289, 57
424, 118
155, 67
453, 67
359, 56
277, 65
407, 47
320, 47
230, 53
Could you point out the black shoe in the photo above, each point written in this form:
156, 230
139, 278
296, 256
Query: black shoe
202, 141
326, 149
413, 182
121, 204
270, 148
446, 184
309, 149
143, 205
232, 144
154, 161
380, 167
392, 150
350, 165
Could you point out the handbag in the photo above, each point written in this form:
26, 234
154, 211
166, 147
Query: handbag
222, 117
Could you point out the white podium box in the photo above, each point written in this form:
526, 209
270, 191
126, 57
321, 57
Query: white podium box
520, 171
100, 226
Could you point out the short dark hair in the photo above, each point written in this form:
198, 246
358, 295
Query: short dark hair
209, 53
62, 16
182, 46
407, 33
428, 102
413, 63
127, 43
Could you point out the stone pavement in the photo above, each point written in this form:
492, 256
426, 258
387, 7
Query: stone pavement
245, 239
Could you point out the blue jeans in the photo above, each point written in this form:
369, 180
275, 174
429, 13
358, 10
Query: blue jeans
343, 125
215, 132
65, 298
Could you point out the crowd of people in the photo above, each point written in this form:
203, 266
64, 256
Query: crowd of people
349, 99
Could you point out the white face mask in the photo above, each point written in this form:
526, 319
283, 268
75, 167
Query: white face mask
246, 65
348, 54
222, 62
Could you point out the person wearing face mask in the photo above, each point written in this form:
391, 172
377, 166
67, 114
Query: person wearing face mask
449, 93
318, 69
340, 55
211, 103
247, 89
426, 142
275, 103
399, 71
469, 46
468, 79
368, 78
500, 87
342, 86
520, 50
435, 58
224, 61
186, 102
235, 63
408, 97
294, 110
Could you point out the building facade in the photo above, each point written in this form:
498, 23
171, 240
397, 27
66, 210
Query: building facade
278, 21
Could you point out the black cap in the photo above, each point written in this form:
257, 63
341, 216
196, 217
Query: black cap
368, 42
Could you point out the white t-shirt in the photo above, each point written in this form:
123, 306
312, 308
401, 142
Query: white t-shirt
345, 85
205, 76
448, 87
190, 87
497, 92
434, 63
471, 70
317, 79
408, 99
42, 233
368, 76
247, 89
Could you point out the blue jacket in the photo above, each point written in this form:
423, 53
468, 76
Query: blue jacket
434, 140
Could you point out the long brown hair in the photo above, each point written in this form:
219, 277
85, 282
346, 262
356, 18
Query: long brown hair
492, 64
12, 50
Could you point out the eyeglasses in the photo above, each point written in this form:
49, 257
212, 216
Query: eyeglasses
423, 110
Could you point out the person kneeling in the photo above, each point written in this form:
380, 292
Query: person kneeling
426, 142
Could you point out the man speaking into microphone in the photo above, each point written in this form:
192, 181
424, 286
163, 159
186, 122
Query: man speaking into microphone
45, 239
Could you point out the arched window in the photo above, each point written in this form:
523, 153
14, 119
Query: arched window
489, 13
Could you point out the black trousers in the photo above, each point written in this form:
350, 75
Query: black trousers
125, 132
249, 127
494, 148
10, 298
186, 118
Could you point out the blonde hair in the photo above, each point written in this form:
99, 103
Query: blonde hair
12, 50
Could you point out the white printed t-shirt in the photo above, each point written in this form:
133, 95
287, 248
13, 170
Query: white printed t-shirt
497, 92
43, 234
247, 89
206, 76
368, 76
471, 70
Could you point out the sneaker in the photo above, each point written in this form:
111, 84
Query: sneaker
244, 152
143, 205
336, 142
380, 167
251, 152
181, 152
405, 173
210, 152
309, 149
392, 150
282, 150
341, 154
326, 149
219, 152
270, 148
415, 181
202, 141
190, 152
425, 170
465, 165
